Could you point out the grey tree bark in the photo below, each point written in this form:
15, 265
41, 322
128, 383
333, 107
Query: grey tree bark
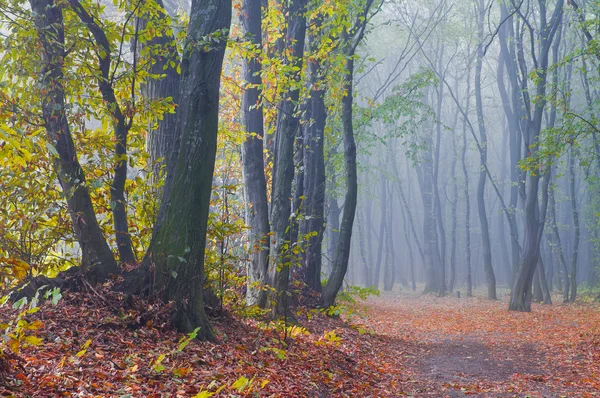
255, 186
314, 169
283, 162
534, 225
481, 208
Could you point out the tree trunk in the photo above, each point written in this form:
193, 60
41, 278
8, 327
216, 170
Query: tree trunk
436, 190
343, 251
314, 166
255, 186
520, 299
558, 246
389, 274
466, 191
382, 226
97, 258
575, 215
454, 218
483, 221
121, 131
175, 258
283, 162
162, 84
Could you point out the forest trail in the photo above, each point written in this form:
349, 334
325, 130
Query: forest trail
470, 346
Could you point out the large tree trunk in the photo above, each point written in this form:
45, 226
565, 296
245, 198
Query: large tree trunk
314, 171
255, 186
175, 259
97, 258
283, 173
163, 83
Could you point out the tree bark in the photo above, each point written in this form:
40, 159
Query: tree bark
334, 283
255, 186
534, 225
175, 259
483, 221
121, 131
97, 258
314, 166
575, 215
283, 162
163, 84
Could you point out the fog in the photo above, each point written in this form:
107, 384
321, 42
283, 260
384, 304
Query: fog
440, 183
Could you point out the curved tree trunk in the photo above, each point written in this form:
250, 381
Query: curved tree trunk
121, 131
334, 283
97, 258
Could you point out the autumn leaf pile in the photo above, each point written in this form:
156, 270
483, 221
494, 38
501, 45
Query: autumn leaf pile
98, 344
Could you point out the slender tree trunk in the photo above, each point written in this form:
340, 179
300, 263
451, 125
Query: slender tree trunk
97, 258
389, 274
255, 185
454, 218
467, 194
558, 246
436, 190
314, 166
121, 131
283, 163
341, 259
575, 214
382, 226
411, 264
483, 221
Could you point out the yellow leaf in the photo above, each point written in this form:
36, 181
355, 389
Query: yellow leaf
32, 340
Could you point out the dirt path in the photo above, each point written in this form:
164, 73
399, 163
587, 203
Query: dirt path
458, 347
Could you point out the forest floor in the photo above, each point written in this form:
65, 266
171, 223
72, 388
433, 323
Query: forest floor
99, 344
471, 346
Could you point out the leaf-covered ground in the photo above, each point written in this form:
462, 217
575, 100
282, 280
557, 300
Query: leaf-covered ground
97, 344
471, 346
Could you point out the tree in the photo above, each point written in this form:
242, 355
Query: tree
351, 38
283, 163
97, 258
257, 210
520, 299
174, 262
